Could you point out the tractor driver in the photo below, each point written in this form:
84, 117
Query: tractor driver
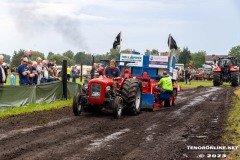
112, 71
166, 83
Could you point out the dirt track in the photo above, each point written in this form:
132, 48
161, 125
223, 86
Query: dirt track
163, 135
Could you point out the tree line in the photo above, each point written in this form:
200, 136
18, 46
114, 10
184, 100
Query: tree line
184, 56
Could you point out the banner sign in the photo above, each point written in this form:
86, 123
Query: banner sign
136, 58
158, 61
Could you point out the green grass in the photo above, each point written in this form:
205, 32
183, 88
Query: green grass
194, 84
232, 135
34, 108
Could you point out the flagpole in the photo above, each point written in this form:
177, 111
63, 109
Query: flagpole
120, 42
170, 53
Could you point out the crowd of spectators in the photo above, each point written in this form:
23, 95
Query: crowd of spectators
30, 71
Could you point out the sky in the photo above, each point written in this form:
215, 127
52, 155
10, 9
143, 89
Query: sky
92, 25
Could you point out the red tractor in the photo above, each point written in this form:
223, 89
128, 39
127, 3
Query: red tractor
115, 94
226, 71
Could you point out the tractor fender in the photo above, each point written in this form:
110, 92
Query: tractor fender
217, 69
233, 68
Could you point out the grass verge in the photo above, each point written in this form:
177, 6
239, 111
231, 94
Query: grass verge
232, 135
34, 108
195, 84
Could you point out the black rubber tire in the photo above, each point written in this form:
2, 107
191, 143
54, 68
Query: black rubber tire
174, 95
132, 95
234, 78
117, 107
77, 106
216, 78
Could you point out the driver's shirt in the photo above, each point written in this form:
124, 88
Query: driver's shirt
112, 72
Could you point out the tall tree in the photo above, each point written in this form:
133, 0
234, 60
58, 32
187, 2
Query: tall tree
50, 54
147, 52
17, 58
198, 59
59, 59
184, 56
152, 52
37, 54
113, 54
83, 58
235, 51
69, 54
7, 58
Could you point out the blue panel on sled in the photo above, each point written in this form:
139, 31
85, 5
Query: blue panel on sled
147, 100
164, 96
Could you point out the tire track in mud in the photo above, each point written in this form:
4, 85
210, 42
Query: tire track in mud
160, 135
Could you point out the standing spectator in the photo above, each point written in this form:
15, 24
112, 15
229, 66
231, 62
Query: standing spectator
187, 75
52, 63
13, 78
33, 70
45, 71
68, 73
73, 73
94, 72
30, 53
101, 70
26, 54
55, 72
31, 75
2, 72
39, 69
23, 72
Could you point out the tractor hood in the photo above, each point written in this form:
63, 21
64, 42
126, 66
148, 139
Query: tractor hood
105, 81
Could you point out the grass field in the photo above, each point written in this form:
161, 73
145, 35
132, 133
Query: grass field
34, 108
232, 135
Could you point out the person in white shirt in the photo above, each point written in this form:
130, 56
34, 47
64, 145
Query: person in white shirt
2, 72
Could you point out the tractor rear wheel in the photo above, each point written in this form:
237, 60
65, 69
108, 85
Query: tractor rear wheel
234, 78
77, 104
117, 107
132, 95
216, 79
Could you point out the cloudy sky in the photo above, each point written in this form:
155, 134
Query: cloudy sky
92, 25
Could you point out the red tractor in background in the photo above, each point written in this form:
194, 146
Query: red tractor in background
226, 71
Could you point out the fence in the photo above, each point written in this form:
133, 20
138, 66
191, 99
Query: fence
13, 96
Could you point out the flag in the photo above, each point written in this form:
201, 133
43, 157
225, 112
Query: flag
117, 41
172, 44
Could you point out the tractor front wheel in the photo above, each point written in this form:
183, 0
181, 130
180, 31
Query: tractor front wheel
117, 107
234, 79
216, 79
77, 104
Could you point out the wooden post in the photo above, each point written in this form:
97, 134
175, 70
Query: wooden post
64, 78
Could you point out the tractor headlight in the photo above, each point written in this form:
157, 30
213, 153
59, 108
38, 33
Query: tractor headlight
108, 88
85, 86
